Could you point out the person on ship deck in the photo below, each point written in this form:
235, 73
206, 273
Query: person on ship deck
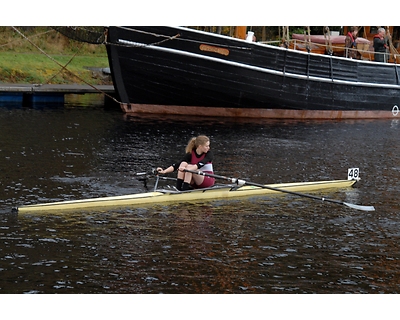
380, 46
350, 44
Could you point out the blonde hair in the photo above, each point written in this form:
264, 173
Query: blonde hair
195, 142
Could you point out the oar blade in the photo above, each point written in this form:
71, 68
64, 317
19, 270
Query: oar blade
358, 207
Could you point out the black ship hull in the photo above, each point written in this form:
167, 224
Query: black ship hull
183, 71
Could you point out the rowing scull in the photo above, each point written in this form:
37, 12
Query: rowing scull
161, 196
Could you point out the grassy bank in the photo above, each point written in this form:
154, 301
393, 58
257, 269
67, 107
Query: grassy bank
22, 62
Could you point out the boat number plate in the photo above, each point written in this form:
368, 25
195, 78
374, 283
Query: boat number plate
353, 174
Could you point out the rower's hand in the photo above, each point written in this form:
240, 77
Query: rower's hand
160, 170
183, 165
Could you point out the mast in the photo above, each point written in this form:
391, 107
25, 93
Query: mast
240, 32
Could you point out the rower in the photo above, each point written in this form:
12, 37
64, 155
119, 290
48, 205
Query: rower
198, 157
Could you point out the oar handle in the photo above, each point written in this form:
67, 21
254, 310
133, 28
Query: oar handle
151, 174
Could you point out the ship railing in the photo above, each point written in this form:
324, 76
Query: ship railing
363, 49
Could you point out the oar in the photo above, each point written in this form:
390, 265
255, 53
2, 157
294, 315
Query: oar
241, 182
143, 176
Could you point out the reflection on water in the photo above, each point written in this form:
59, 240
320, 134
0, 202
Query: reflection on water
275, 244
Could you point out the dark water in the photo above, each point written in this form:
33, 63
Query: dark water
280, 244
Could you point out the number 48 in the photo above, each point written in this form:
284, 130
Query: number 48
353, 174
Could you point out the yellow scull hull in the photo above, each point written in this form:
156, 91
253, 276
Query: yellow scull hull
164, 196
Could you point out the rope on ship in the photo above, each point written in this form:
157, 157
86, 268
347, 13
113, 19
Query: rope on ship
154, 35
94, 35
64, 67
328, 42
35, 35
285, 37
308, 41
168, 38
392, 49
